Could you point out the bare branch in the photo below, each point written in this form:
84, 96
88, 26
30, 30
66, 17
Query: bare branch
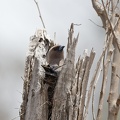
94, 91
111, 27
39, 13
93, 112
95, 76
16, 117
100, 11
96, 24
62, 96
77, 24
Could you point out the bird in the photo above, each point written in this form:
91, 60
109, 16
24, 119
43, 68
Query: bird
55, 59
55, 56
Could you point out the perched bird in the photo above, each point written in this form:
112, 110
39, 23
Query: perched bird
55, 56
55, 59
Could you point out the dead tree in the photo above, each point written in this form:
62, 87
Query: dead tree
108, 12
68, 98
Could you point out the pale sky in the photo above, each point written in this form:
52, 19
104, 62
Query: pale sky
19, 19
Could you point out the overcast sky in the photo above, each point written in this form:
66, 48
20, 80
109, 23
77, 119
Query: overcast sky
19, 19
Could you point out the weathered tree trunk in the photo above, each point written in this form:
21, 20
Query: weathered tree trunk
70, 91
34, 106
69, 99
111, 23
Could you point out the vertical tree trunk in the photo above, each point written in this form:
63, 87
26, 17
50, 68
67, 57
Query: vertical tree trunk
35, 104
68, 98
111, 23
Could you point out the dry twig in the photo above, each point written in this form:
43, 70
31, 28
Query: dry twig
96, 24
111, 27
39, 13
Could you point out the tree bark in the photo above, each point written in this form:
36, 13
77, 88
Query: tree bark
111, 23
34, 106
68, 94
68, 98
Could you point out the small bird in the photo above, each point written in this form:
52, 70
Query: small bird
55, 56
55, 59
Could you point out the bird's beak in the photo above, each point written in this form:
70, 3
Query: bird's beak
61, 48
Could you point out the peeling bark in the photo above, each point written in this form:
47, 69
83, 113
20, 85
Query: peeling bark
107, 12
34, 106
69, 93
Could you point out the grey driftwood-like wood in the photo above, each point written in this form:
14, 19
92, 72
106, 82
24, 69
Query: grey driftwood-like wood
34, 106
109, 12
70, 90
70, 98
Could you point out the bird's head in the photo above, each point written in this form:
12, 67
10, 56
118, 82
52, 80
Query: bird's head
58, 48
55, 55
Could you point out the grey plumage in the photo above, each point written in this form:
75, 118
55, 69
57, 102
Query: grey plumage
55, 55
